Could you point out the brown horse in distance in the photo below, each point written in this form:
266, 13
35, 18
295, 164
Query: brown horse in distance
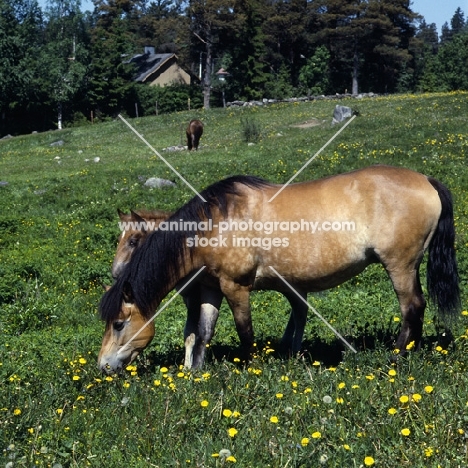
194, 132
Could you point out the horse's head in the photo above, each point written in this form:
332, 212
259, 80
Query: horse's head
136, 227
127, 333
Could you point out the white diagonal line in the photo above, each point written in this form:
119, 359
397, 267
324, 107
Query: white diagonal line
311, 159
186, 182
313, 310
161, 309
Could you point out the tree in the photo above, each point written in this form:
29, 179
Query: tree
210, 22
112, 40
315, 74
286, 35
63, 60
249, 72
423, 48
458, 21
20, 33
447, 71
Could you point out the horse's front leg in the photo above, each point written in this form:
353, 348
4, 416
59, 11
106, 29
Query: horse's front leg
192, 301
210, 303
238, 298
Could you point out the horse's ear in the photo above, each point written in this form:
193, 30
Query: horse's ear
136, 217
123, 216
127, 292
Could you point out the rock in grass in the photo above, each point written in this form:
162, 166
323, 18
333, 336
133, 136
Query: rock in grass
156, 182
341, 113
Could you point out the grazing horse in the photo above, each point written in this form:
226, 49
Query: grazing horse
202, 297
194, 132
311, 236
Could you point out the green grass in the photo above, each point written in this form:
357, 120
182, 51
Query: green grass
327, 407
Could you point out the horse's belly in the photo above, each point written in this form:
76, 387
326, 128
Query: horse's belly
311, 271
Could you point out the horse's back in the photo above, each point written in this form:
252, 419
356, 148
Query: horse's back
328, 230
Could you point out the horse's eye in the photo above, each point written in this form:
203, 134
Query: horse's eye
133, 243
118, 325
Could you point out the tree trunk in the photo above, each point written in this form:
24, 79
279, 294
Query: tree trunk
355, 86
207, 77
59, 116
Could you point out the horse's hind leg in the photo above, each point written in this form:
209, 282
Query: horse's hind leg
294, 332
412, 304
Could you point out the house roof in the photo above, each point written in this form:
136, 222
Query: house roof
147, 64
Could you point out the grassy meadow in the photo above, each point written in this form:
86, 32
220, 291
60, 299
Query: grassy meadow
59, 195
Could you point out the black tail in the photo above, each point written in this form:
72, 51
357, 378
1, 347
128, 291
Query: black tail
442, 272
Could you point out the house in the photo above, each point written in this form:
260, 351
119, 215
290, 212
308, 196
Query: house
158, 69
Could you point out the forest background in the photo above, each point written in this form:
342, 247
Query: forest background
62, 66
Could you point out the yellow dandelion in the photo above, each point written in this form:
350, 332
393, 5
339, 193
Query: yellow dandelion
369, 461
346, 447
416, 397
76, 377
107, 379
404, 399
279, 395
461, 431
429, 451
204, 403
16, 411
392, 372
316, 363
232, 432
82, 361
340, 400
370, 377
227, 413
405, 432
392, 411
305, 441
396, 319
164, 370
410, 345
31, 430
157, 383
59, 411
341, 385
126, 384
231, 459
316, 435
274, 419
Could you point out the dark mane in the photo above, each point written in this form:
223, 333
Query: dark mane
156, 263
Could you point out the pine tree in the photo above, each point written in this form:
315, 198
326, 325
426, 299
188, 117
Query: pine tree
112, 44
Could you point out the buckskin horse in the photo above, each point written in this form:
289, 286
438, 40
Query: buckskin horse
202, 297
397, 215
194, 132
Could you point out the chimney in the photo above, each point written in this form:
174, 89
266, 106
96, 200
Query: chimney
149, 50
